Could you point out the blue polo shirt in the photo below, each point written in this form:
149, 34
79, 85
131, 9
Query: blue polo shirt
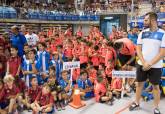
18, 41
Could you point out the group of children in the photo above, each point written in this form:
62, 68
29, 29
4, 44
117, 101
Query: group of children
38, 82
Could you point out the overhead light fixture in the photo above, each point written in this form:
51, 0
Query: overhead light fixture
109, 18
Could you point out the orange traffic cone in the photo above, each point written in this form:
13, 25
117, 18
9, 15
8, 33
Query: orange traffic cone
76, 103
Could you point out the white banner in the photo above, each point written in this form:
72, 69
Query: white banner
124, 74
71, 65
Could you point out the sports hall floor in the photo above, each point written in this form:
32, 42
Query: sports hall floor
119, 107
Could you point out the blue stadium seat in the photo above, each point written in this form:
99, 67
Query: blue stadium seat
75, 17
59, 17
67, 17
84, 18
34, 15
51, 17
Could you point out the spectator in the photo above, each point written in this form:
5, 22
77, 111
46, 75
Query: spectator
114, 35
31, 37
18, 40
134, 36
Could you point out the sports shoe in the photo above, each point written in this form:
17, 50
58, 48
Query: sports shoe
134, 106
156, 111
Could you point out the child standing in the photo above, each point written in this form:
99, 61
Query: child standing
30, 67
66, 85
44, 59
14, 62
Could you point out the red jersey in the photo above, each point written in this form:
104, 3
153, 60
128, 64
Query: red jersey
128, 48
92, 74
103, 52
44, 99
76, 51
117, 83
83, 54
76, 74
32, 93
110, 55
79, 33
108, 71
21, 85
95, 58
14, 63
10, 92
68, 52
100, 90
59, 41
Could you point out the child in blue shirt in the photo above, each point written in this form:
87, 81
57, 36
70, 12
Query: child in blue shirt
30, 67
44, 59
58, 63
66, 85
85, 85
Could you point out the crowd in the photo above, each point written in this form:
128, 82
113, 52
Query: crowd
32, 75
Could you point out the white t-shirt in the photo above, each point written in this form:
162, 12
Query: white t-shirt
32, 39
151, 43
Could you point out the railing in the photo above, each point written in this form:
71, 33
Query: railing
11, 13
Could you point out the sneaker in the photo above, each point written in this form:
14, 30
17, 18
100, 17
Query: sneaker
134, 106
156, 111
62, 106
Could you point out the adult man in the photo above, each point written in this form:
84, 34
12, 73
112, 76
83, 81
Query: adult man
31, 38
18, 40
126, 52
150, 50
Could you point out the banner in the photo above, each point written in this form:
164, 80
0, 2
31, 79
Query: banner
124, 74
71, 65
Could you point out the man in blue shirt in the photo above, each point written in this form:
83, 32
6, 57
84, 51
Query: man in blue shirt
133, 36
18, 40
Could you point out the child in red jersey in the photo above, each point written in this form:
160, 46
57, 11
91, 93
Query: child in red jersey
83, 54
31, 92
92, 72
102, 95
95, 57
103, 51
68, 50
11, 93
14, 63
116, 87
108, 70
44, 101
